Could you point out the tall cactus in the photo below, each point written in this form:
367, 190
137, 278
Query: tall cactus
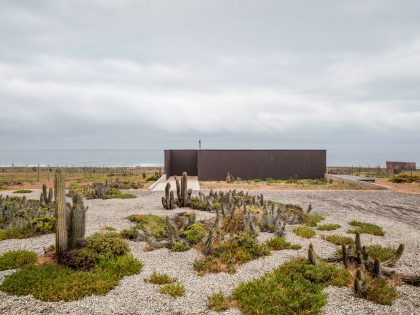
183, 193
168, 201
61, 235
359, 285
78, 222
311, 255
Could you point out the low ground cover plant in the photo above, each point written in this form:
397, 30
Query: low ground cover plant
22, 191
159, 278
174, 290
99, 191
304, 231
293, 288
383, 253
313, 220
366, 228
17, 259
280, 243
228, 254
405, 178
219, 302
328, 227
50, 282
338, 239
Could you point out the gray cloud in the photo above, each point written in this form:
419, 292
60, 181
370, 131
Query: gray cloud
150, 74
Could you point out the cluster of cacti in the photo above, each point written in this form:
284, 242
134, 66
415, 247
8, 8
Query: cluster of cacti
356, 255
168, 201
174, 232
70, 219
124, 184
182, 191
46, 197
26, 216
256, 213
98, 190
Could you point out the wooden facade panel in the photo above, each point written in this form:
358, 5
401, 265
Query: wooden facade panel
247, 164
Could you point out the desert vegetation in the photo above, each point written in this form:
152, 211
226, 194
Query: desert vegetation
22, 218
231, 232
76, 266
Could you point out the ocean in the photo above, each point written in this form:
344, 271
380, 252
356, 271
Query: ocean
131, 158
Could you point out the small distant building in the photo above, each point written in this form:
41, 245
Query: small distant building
214, 165
397, 167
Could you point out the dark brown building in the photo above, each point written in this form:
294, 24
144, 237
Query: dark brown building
397, 167
246, 164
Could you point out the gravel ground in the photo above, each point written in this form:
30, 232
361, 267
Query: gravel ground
397, 213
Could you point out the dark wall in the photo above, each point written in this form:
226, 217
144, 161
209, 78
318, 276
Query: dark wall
262, 164
181, 161
246, 164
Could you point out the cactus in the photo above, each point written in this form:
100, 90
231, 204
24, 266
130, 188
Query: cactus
358, 243
376, 268
61, 215
77, 222
359, 286
209, 243
168, 201
279, 227
365, 254
183, 193
311, 255
392, 261
344, 251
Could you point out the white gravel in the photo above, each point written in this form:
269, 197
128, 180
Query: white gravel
397, 213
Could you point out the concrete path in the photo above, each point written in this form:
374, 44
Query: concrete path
160, 184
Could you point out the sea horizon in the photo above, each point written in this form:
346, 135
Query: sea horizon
155, 157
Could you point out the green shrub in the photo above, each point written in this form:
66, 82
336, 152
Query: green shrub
279, 243
380, 252
150, 222
174, 290
380, 292
230, 253
160, 278
43, 225
304, 232
17, 259
313, 220
194, 233
130, 234
293, 288
338, 239
15, 232
328, 227
366, 228
57, 283
22, 191
178, 247
100, 246
218, 302
124, 196
405, 178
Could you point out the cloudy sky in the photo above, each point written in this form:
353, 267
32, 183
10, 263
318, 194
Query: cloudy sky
246, 74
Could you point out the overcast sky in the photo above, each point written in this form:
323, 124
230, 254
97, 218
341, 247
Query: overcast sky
263, 74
